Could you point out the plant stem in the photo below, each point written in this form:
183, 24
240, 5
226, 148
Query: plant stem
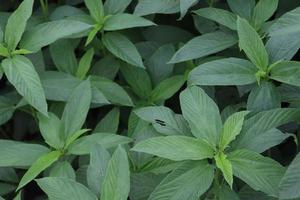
44, 5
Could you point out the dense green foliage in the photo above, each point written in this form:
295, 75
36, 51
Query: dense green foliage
149, 99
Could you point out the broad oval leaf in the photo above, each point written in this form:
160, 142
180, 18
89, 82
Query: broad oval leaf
231, 128
188, 181
64, 188
62, 169
264, 97
125, 21
96, 9
176, 148
286, 72
52, 130
287, 24
260, 173
204, 45
251, 43
260, 127
21, 73
58, 86
38, 166
16, 24
116, 184
196, 105
290, 183
47, 33
18, 154
167, 88
112, 7
122, 48
146, 7
220, 16
263, 10
227, 71
76, 109
111, 90
96, 171
163, 119
107, 140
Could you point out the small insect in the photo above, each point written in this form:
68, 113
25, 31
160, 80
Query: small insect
160, 122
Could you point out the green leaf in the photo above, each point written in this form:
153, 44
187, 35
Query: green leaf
204, 45
64, 188
286, 72
146, 7
142, 184
107, 140
167, 88
116, 184
112, 91
260, 173
100, 68
196, 105
85, 64
227, 71
263, 10
110, 122
157, 65
160, 166
4, 51
282, 47
185, 5
258, 133
18, 154
287, 25
232, 127
21, 73
290, 183
93, 33
63, 56
251, 43
176, 148
7, 110
38, 166
138, 79
62, 169
247, 193
161, 34
220, 16
47, 33
188, 181
112, 7
74, 137
16, 24
225, 166
125, 21
76, 109
163, 119
96, 10
99, 159
122, 48
52, 130
231, 109
53, 81
242, 8
226, 193
264, 97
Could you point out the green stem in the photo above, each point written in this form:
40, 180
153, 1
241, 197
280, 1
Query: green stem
44, 5
216, 185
